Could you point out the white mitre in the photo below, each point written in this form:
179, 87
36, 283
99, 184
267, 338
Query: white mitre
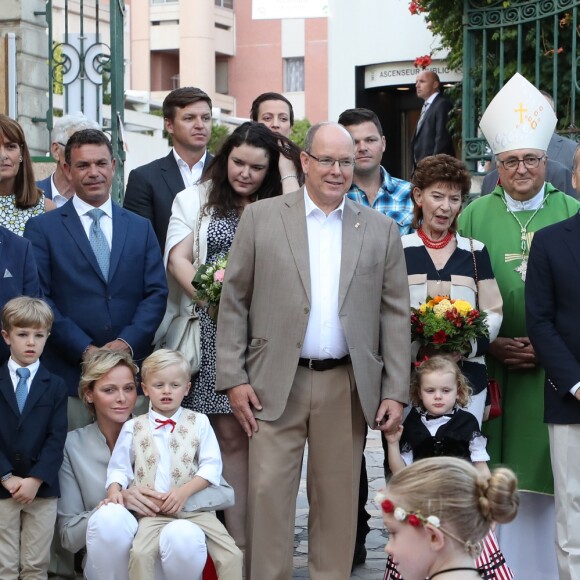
519, 117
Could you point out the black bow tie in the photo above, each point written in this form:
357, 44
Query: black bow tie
429, 417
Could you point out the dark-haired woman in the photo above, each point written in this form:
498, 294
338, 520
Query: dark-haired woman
441, 262
201, 230
20, 199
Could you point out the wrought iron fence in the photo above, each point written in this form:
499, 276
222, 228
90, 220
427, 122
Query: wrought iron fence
86, 66
539, 39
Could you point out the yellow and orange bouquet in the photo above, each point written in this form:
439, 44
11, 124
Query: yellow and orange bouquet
447, 325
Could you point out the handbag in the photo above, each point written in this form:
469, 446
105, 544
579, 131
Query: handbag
183, 331
494, 391
183, 335
493, 386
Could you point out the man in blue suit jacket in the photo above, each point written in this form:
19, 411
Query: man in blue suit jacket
120, 310
552, 283
18, 274
151, 188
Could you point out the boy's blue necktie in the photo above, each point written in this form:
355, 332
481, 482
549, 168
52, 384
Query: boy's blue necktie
22, 387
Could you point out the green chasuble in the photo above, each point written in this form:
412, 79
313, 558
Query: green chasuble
519, 438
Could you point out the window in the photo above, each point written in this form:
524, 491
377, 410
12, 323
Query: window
225, 3
175, 82
163, 1
294, 75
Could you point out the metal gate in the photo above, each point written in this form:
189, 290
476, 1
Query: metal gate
86, 68
539, 39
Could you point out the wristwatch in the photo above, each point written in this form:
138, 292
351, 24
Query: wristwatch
5, 477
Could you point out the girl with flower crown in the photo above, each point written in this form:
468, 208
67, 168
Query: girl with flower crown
438, 510
438, 426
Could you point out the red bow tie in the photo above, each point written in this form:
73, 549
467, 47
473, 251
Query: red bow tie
166, 422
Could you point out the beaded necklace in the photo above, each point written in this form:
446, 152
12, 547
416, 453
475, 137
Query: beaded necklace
429, 243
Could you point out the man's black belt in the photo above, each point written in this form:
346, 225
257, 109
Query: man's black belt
325, 364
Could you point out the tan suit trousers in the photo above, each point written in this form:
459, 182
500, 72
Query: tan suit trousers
323, 410
221, 547
25, 537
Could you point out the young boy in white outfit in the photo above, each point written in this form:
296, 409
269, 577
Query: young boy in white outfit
175, 451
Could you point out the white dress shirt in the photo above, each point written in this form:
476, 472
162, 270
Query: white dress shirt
58, 199
13, 366
120, 468
324, 334
106, 221
193, 175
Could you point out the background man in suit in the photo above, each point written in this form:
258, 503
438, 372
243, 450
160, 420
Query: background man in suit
551, 301
101, 272
431, 135
58, 186
18, 273
151, 188
313, 337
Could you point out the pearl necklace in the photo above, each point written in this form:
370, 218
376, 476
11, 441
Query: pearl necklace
429, 243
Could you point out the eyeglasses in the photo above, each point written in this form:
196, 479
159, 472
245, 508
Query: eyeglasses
329, 161
529, 161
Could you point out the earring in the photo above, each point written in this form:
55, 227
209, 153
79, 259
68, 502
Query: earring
20, 159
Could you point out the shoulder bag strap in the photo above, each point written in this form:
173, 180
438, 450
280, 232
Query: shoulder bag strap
475, 272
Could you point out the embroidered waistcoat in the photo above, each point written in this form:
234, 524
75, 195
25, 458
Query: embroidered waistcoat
183, 450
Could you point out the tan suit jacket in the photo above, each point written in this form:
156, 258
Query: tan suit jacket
265, 304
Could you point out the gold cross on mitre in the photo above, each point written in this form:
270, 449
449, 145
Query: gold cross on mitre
521, 111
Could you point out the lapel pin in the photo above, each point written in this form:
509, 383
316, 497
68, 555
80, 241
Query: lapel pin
356, 225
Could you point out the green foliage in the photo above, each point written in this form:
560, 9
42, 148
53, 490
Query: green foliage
542, 47
299, 130
219, 133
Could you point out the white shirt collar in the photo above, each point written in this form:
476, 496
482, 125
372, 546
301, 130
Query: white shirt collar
181, 162
530, 204
154, 415
57, 197
82, 207
13, 366
312, 207
429, 100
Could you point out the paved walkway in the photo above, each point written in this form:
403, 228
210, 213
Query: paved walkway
374, 567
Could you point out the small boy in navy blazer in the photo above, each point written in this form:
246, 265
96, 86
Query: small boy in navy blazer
33, 427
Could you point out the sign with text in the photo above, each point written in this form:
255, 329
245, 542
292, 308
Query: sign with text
404, 73
276, 9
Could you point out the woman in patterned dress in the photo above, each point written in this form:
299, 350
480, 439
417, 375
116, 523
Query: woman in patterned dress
201, 230
20, 199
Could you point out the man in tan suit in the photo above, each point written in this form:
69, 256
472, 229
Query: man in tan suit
313, 338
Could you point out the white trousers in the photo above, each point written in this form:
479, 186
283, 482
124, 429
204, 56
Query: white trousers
110, 532
564, 450
527, 543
